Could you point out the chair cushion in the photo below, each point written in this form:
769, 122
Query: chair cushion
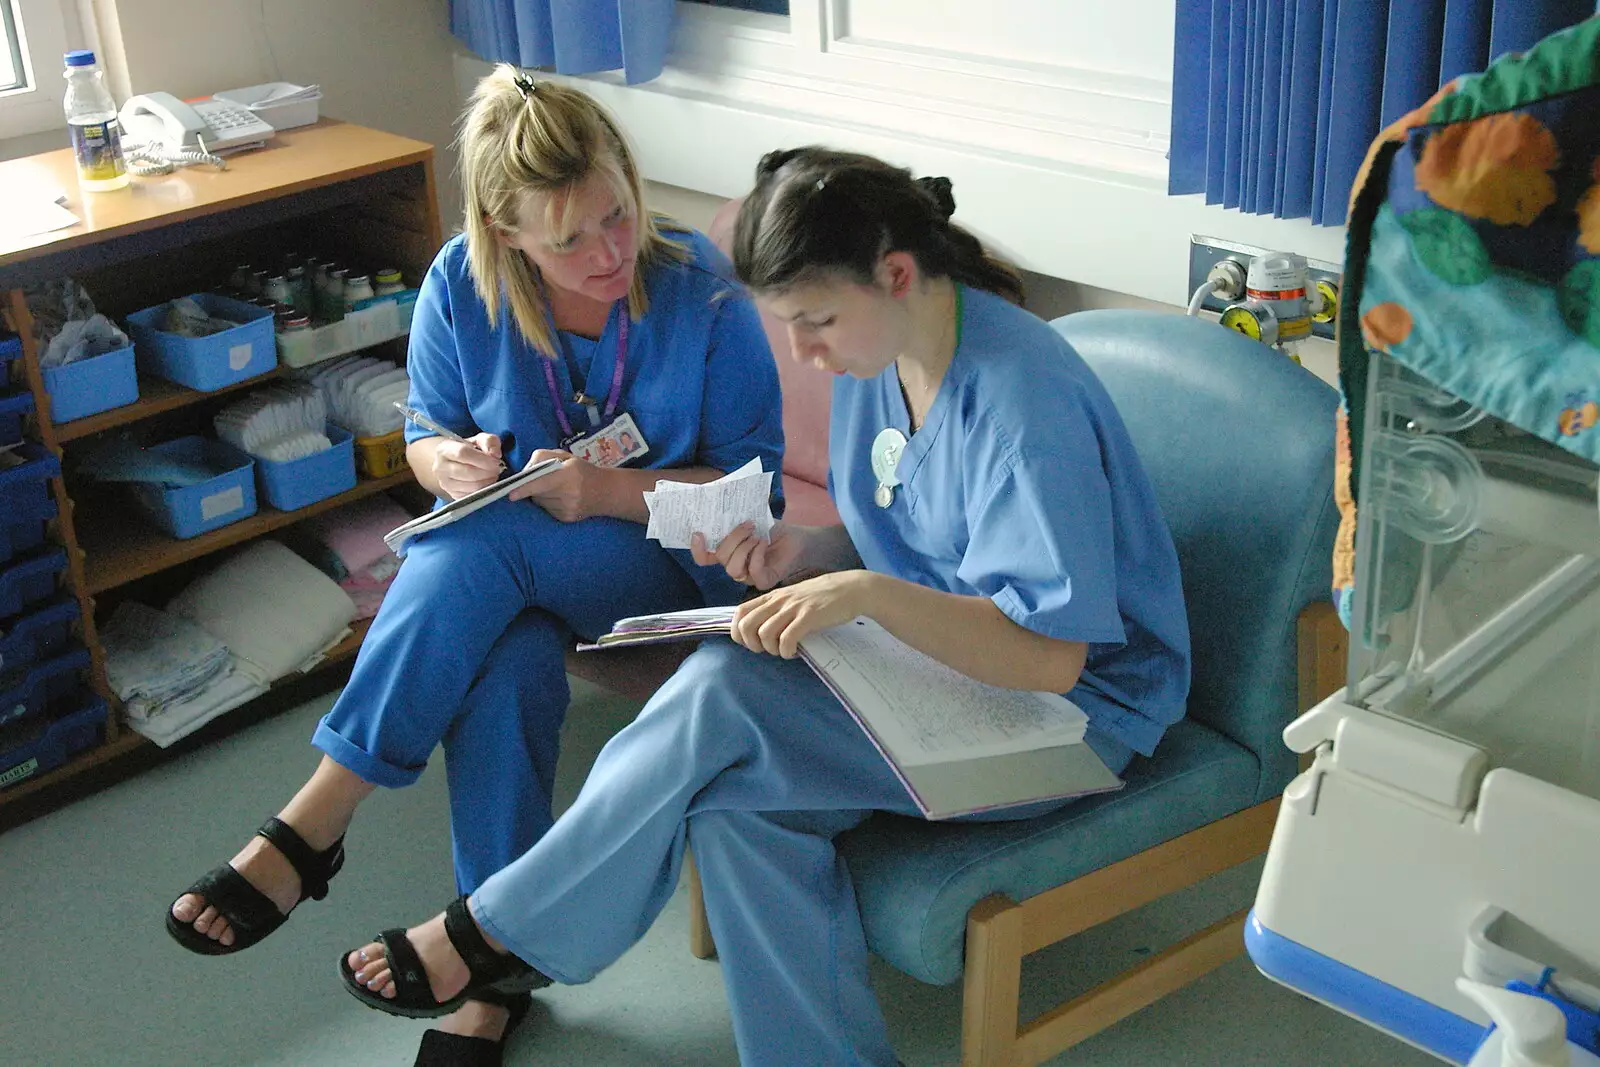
915, 881
808, 504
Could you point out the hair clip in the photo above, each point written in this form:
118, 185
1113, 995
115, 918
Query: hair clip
822, 183
525, 85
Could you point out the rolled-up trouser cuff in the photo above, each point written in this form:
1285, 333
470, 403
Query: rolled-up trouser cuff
360, 762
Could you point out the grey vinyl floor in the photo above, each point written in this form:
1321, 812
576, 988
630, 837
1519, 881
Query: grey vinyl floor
89, 977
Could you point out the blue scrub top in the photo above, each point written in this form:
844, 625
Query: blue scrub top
699, 379
1022, 486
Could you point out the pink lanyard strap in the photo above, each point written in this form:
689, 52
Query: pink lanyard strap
618, 366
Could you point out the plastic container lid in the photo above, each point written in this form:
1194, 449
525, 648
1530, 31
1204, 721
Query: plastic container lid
80, 57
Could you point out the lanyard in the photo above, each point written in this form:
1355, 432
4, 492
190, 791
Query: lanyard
616, 380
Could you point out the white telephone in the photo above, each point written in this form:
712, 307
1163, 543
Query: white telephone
209, 125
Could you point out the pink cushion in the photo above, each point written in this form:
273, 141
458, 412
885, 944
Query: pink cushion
807, 504
806, 390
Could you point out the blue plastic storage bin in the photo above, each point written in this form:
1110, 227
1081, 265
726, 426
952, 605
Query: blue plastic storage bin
40, 687
25, 582
23, 527
25, 475
38, 634
214, 503
207, 363
13, 406
34, 748
292, 485
90, 386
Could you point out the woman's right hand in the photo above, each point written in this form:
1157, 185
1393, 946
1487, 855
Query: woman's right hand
462, 468
749, 559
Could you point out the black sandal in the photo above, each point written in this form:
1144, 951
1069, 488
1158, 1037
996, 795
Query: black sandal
489, 972
250, 913
440, 1049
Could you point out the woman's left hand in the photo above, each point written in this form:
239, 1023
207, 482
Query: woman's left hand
571, 494
775, 622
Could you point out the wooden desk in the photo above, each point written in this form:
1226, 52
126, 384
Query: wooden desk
333, 187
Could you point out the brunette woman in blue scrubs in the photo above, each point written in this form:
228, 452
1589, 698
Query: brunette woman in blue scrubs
995, 516
565, 316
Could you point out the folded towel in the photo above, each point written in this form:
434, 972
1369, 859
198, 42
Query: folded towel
223, 694
155, 659
273, 610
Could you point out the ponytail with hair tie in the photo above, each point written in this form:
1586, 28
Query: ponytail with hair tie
940, 191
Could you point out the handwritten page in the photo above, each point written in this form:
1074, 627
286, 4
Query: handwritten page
678, 510
925, 712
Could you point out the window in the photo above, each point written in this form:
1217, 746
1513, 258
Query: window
11, 54
771, 7
31, 87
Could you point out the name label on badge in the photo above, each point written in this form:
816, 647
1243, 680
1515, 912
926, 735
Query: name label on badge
612, 445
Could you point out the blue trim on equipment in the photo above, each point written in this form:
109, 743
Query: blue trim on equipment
1425, 1024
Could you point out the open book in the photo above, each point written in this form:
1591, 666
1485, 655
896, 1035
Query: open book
959, 745
463, 506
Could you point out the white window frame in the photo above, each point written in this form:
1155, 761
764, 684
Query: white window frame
45, 28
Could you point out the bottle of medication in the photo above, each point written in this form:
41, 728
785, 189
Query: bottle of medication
387, 281
357, 287
92, 124
277, 290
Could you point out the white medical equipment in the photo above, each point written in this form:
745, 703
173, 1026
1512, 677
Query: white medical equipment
1447, 826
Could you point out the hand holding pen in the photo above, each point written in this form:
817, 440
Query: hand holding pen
460, 465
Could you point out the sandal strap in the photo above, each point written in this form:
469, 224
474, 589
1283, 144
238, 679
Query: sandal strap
315, 868
250, 912
485, 963
405, 966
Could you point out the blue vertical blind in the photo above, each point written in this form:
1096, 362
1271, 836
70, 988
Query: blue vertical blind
1274, 102
568, 36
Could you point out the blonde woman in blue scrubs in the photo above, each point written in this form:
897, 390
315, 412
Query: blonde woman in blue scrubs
995, 516
566, 322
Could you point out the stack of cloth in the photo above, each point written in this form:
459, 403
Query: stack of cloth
172, 676
361, 393
281, 422
350, 549
263, 614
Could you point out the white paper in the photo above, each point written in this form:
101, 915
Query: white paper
34, 215
678, 510
925, 712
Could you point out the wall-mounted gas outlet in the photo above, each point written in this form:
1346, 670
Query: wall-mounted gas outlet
1206, 252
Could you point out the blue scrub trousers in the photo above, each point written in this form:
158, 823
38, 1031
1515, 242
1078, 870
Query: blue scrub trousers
752, 760
469, 648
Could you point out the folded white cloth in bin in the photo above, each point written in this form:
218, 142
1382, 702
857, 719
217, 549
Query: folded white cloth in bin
275, 612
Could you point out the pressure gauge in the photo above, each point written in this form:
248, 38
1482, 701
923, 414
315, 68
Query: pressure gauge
1253, 319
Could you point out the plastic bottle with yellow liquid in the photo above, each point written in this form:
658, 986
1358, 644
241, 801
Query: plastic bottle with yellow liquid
92, 123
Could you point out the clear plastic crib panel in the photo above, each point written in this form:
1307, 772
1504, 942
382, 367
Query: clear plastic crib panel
1477, 610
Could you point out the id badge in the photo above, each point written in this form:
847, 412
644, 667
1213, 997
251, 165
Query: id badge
611, 445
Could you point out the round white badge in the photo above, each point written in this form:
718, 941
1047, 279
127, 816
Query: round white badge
887, 449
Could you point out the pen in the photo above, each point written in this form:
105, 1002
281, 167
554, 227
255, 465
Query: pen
428, 424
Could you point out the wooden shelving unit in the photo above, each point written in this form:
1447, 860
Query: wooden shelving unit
118, 552
156, 396
333, 186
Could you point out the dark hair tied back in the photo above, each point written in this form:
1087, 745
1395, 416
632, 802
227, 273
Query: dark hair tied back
816, 212
941, 193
